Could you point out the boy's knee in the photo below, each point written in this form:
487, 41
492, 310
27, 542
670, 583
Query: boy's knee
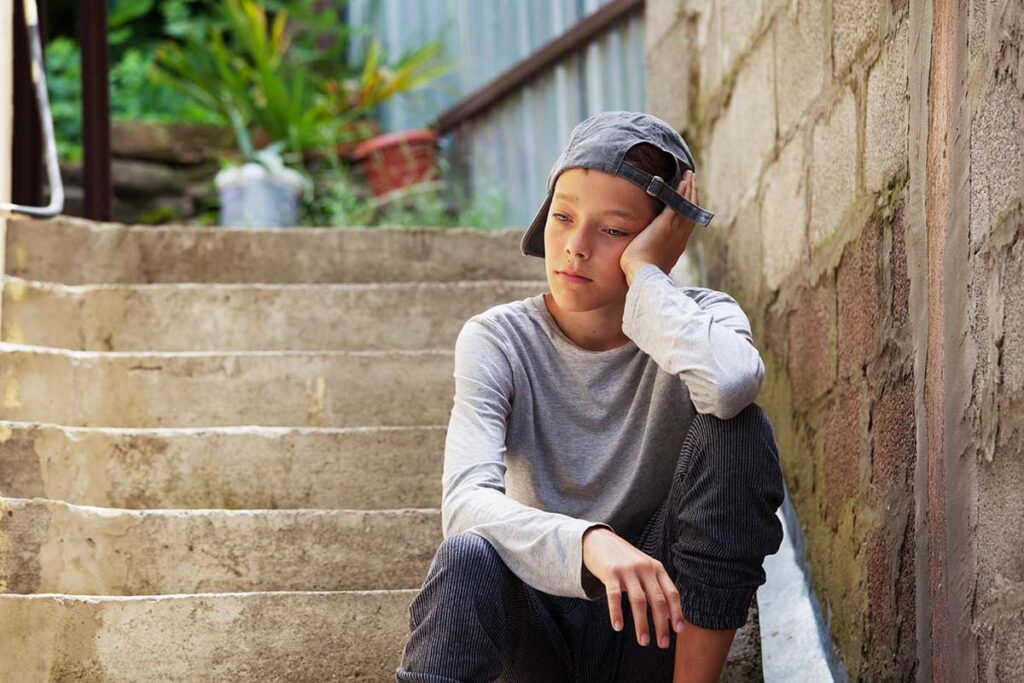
743, 446
466, 550
733, 481
464, 565
724, 520
751, 423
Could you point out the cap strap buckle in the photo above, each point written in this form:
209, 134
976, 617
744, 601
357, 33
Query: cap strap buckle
655, 180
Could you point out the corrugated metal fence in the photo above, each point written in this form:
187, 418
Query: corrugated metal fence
510, 147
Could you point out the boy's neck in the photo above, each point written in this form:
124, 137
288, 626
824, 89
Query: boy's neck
596, 330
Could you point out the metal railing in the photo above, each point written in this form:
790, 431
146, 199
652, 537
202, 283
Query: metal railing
528, 71
56, 205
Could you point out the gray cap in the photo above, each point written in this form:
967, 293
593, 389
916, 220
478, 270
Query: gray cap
601, 141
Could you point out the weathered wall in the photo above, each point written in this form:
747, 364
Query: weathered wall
865, 161
160, 172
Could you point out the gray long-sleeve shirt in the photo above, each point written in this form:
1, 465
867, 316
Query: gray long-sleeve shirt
547, 439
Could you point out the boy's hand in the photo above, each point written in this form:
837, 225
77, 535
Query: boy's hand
664, 240
622, 567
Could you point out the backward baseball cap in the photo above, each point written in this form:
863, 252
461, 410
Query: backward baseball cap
601, 142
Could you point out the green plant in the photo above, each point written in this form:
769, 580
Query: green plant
450, 207
268, 157
64, 82
183, 19
243, 74
289, 77
121, 18
134, 94
341, 200
349, 98
337, 199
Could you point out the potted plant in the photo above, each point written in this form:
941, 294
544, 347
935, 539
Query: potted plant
394, 162
247, 70
261, 192
245, 78
397, 160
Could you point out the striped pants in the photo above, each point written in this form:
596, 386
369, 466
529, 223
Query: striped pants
475, 621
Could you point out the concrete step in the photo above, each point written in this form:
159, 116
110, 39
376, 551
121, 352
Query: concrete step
278, 636
193, 389
269, 636
54, 547
224, 467
200, 317
78, 251
184, 495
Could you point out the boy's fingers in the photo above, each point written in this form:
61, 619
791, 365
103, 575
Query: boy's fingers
675, 607
615, 606
659, 610
638, 601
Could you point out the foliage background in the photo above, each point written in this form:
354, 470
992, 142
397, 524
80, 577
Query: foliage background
137, 28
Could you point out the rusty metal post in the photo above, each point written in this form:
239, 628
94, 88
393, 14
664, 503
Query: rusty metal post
27, 143
95, 109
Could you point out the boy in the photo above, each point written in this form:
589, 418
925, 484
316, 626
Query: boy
603, 442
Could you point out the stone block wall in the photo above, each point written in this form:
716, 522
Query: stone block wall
160, 173
865, 162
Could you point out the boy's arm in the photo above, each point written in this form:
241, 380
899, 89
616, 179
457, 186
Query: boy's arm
701, 335
544, 549
700, 654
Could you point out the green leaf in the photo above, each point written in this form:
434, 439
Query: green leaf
122, 12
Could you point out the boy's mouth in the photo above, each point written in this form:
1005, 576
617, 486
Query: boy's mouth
569, 276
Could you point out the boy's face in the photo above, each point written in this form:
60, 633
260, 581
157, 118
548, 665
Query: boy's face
593, 217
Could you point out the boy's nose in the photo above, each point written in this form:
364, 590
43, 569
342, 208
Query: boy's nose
577, 242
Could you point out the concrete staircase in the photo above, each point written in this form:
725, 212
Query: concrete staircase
221, 450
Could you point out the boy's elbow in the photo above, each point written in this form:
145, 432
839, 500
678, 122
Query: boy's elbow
449, 522
450, 517
456, 514
732, 395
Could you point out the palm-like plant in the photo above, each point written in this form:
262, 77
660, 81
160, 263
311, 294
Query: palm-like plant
245, 76
249, 73
378, 83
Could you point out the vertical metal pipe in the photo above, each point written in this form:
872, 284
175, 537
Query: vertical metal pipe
27, 140
6, 120
95, 109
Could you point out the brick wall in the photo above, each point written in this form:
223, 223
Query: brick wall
865, 161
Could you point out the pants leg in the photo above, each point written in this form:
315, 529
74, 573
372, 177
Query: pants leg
721, 522
474, 621
711, 533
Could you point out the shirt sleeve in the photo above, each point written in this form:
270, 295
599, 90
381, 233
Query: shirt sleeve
700, 334
544, 549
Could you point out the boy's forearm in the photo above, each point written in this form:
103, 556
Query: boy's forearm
709, 348
700, 653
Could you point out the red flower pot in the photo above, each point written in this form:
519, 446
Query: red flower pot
397, 160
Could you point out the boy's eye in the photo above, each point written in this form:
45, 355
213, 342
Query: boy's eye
621, 233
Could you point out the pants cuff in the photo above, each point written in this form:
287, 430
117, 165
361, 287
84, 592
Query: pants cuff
402, 674
714, 607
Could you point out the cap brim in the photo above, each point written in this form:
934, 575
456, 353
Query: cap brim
532, 243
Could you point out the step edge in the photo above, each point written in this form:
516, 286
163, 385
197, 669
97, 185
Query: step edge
240, 430
102, 511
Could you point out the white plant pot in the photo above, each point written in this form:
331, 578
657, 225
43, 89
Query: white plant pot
252, 196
